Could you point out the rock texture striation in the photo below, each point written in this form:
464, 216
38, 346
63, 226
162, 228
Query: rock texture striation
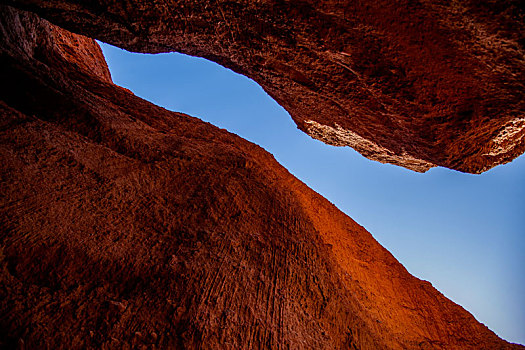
124, 225
413, 83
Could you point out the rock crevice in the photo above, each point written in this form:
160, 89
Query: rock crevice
124, 225
430, 83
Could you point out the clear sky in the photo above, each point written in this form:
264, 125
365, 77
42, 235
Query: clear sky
463, 233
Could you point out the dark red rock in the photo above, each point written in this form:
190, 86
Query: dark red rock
125, 225
413, 83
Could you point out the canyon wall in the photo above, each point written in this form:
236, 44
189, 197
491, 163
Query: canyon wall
413, 83
124, 225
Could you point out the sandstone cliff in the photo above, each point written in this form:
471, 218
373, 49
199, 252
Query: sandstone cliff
414, 83
125, 225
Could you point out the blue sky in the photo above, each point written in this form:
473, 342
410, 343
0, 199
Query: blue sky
463, 233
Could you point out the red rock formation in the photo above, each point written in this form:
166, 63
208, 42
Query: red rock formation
413, 83
123, 224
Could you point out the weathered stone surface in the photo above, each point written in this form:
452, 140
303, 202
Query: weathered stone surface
125, 225
413, 83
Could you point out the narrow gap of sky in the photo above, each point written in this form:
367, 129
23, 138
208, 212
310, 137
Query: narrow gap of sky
463, 233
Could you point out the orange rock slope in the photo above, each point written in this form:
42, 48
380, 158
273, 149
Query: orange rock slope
124, 225
414, 83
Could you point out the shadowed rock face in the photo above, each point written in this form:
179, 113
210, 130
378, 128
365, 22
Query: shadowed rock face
123, 224
413, 83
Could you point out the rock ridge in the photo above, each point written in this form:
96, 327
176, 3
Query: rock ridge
124, 225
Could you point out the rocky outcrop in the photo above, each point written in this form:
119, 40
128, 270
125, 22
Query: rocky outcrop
125, 225
413, 83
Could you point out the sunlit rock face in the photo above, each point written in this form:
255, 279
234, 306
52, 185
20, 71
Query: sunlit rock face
418, 83
124, 225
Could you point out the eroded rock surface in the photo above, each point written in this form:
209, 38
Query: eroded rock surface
125, 225
414, 83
